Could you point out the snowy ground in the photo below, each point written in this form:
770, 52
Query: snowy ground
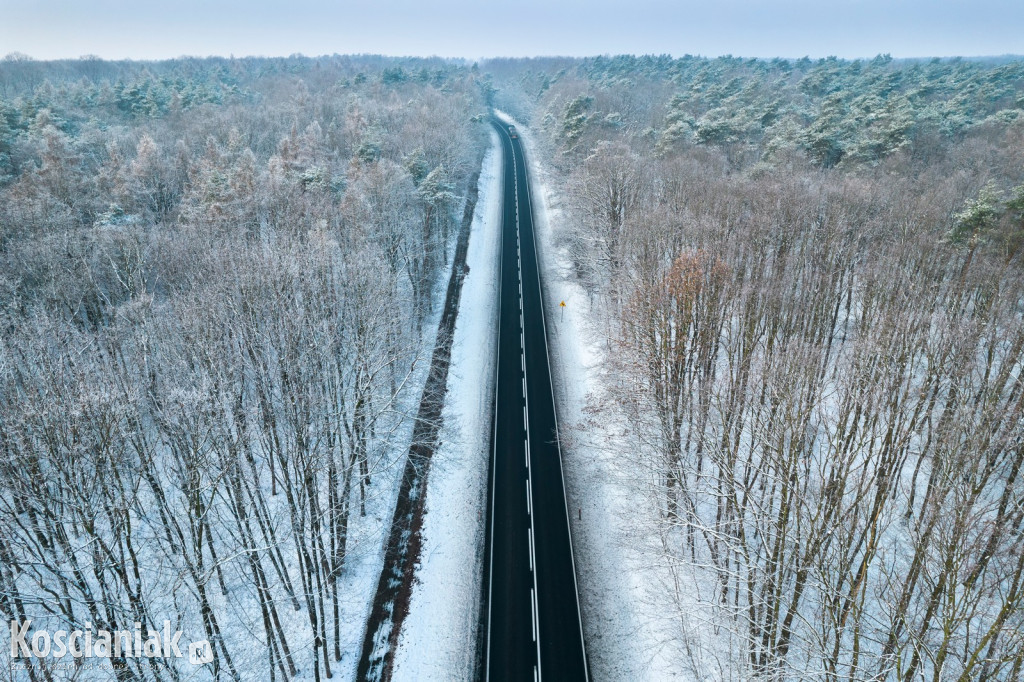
622, 639
438, 639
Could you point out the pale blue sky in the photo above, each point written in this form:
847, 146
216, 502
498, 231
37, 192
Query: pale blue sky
466, 28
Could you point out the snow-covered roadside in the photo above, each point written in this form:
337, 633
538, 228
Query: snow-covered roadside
369, 534
438, 639
622, 640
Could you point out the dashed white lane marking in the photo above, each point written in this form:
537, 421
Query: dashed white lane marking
522, 346
529, 539
533, 612
529, 504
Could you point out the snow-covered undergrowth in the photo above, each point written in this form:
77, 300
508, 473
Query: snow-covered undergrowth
439, 636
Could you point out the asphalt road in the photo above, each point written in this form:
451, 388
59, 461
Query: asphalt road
534, 629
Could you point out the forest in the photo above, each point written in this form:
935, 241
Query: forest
217, 285
807, 275
216, 279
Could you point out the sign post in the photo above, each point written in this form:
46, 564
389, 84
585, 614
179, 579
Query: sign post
561, 307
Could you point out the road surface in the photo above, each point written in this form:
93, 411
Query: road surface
533, 618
